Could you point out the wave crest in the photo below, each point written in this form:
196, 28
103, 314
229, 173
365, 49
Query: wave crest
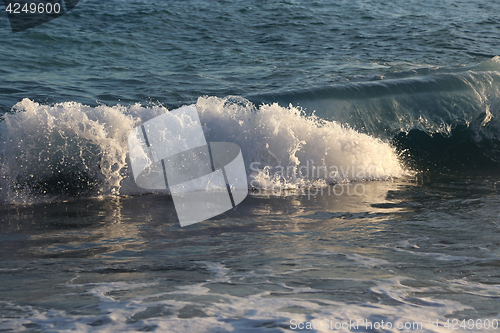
70, 149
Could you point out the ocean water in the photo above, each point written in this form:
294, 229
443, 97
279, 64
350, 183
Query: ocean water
370, 136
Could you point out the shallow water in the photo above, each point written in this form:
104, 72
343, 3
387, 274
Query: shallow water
403, 252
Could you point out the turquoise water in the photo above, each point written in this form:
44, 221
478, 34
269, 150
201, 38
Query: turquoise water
401, 99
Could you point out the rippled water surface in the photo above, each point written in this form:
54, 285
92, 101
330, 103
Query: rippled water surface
400, 98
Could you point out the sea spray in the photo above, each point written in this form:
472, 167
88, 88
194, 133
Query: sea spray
278, 138
69, 149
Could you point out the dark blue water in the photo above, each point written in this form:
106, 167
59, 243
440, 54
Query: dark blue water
400, 98
173, 52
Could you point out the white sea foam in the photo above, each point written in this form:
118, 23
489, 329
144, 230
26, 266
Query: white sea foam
73, 149
283, 147
260, 311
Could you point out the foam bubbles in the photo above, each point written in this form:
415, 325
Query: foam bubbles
284, 147
398, 303
70, 149
66, 149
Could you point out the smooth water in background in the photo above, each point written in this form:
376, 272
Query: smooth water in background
409, 89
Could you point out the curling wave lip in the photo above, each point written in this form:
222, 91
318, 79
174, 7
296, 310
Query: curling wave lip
170, 152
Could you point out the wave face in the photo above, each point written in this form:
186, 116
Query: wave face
439, 121
442, 120
70, 149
